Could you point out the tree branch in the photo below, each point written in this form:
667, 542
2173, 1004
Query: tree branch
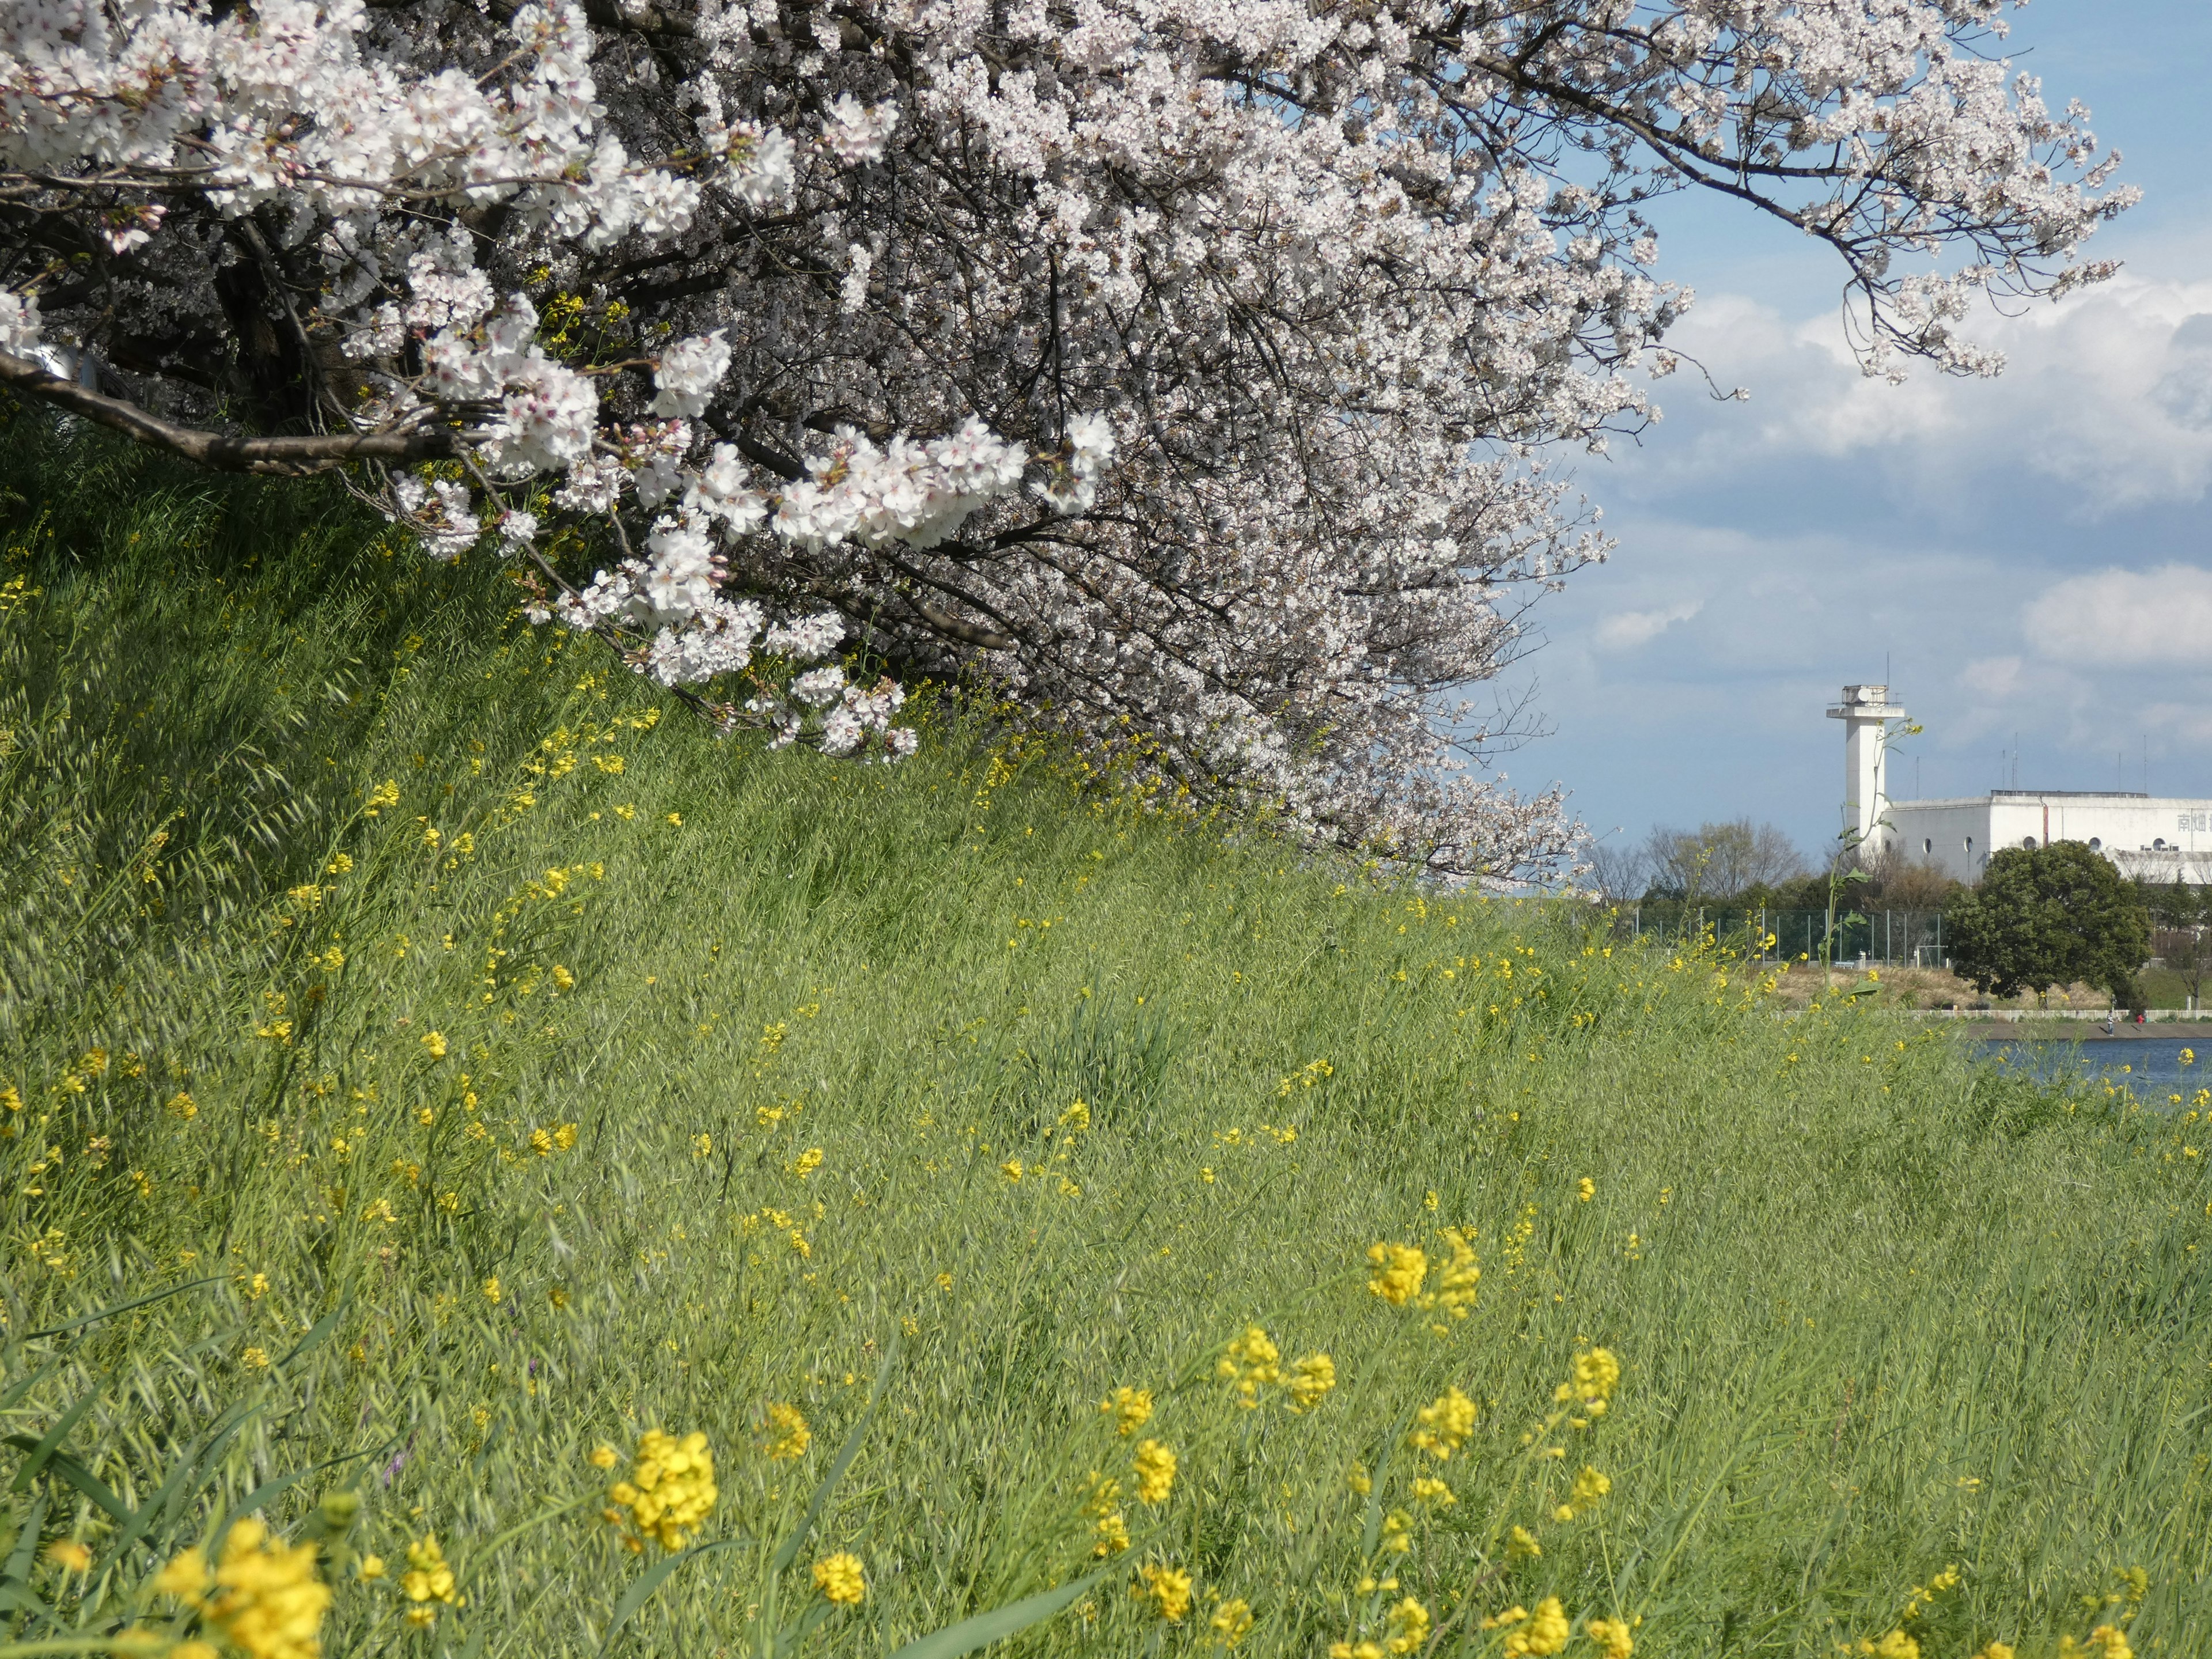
221, 452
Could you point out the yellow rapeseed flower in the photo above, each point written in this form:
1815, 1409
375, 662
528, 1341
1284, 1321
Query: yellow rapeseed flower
1522, 1545
70, 1555
1131, 1408
1585, 1189
788, 1436
839, 1578
255, 1359
1112, 1535
372, 1567
1156, 1471
1012, 1169
1398, 1270
1544, 1631
1250, 1362
435, 1042
1614, 1641
1443, 1424
671, 1489
1430, 1490
266, 1599
428, 1583
1311, 1378
1232, 1620
1408, 1627
1168, 1589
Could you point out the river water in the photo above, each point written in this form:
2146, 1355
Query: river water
2153, 1066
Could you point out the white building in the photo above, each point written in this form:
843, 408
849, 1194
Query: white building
2161, 838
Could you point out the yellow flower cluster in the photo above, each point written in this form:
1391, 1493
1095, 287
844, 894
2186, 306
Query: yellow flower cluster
1456, 1278
1443, 1424
840, 1580
671, 1490
429, 1582
788, 1437
1250, 1364
1614, 1641
1130, 1408
1589, 1486
1405, 1630
1542, 1632
1168, 1589
1156, 1471
1399, 1271
265, 1598
1232, 1620
1311, 1378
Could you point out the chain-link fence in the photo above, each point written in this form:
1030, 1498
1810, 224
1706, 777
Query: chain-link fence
1888, 938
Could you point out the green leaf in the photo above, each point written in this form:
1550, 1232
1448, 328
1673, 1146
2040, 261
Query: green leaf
124, 1307
787, 1551
76, 1474
316, 1337
22, 1385
270, 1490
47, 1448
18, 1569
653, 1576
986, 1628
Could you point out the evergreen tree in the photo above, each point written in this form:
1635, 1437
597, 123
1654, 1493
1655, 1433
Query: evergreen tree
2049, 916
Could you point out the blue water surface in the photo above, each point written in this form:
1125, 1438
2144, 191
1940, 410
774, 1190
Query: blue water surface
2151, 1066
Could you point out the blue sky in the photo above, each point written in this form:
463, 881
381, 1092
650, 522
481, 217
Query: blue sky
2030, 554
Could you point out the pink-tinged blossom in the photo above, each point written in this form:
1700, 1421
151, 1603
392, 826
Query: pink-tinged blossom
1199, 376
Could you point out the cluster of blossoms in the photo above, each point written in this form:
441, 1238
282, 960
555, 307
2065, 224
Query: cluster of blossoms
262, 1597
1252, 1362
1192, 376
669, 1492
428, 1583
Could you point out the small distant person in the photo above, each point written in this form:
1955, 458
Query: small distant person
2139, 1016
2108, 1023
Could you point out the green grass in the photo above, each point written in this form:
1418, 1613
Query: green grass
1883, 1311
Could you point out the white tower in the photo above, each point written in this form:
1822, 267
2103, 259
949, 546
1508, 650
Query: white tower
1866, 713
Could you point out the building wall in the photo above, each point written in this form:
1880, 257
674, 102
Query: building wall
1952, 834
2157, 835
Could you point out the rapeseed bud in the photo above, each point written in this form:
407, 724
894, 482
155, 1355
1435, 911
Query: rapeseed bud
1131, 1408
671, 1490
790, 1436
1407, 1627
1398, 1270
839, 1578
1232, 1620
428, 1583
1156, 1471
1585, 1190
1444, 1424
1168, 1589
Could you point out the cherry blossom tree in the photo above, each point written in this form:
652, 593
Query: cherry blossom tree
1193, 374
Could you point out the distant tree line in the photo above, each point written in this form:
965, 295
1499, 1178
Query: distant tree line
2039, 917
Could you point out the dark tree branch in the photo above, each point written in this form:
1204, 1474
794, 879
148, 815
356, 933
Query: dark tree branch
222, 452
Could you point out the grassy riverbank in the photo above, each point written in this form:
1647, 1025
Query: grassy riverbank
403, 987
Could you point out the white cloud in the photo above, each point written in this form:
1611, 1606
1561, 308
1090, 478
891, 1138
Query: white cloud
1626, 630
2108, 391
2134, 619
